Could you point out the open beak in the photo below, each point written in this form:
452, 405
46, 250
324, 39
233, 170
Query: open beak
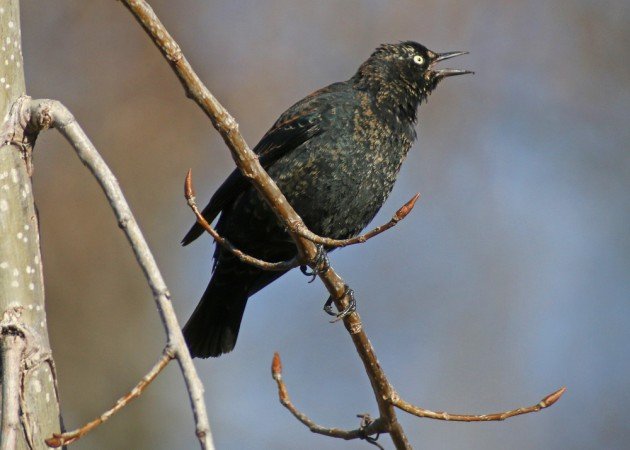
443, 73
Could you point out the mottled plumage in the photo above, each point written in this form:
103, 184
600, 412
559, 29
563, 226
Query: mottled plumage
335, 155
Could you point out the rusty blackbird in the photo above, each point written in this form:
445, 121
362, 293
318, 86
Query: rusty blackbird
335, 155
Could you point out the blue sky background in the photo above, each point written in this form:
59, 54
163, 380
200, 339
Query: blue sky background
508, 280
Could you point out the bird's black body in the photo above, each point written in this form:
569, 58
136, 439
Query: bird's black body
335, 155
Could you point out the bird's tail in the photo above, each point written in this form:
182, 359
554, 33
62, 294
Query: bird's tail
213, 327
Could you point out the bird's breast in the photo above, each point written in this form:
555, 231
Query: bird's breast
338, 181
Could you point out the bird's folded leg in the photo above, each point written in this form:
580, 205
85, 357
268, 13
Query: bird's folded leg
352, 305
321, 263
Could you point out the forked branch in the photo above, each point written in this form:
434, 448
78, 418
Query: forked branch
373, 427
380, 426
297, 227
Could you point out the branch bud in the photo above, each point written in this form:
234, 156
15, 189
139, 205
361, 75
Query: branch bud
406, 208
552, 398
276, 367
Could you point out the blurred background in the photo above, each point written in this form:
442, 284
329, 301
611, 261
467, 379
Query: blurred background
508, 280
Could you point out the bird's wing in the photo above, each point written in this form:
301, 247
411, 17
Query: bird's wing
294, 127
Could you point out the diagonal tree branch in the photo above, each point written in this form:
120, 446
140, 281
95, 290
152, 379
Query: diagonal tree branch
247, 162
39, 115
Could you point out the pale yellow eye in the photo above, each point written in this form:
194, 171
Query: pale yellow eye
418, 59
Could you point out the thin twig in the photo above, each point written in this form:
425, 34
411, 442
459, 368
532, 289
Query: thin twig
440, 415
335, 243
42, 114
373, 427
189, 192
13, 345
59, 439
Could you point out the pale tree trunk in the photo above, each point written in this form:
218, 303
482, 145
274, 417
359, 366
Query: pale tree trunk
30, 406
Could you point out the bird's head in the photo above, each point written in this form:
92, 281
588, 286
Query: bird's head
402, 75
